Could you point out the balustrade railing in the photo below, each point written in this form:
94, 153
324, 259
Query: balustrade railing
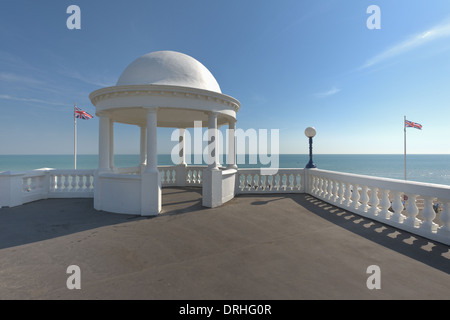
168, 175
71, 181
420, 208
283, 181
194, 175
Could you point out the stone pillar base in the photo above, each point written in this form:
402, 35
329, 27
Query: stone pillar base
150, 193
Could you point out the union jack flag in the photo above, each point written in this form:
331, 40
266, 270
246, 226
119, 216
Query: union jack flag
410, 124
80, 114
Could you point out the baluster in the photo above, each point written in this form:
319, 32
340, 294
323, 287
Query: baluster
374, 202
241, 182
364, 199
412, 211
445, 218
324, 192
270, 181
335, 191
174, 176
397, 206
60, 182
348, 195
355, 197
324, 188
320, 187
188, 172
89, 183
264, 182
257, 180
428, 214
331, 184
276, 182
200, 176
329, 193
312, 184
288, 182
385, 205
66, 183
249, 182
73, 182
297, 182
194, 176
342, 189
83, 180
316, 186
166, 176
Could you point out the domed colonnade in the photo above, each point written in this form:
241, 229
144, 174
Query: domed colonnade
161, 89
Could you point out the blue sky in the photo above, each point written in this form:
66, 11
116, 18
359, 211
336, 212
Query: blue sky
291, 64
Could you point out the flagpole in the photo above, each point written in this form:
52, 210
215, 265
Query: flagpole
404, 142
74, 138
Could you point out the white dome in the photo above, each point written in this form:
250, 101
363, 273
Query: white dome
169, 68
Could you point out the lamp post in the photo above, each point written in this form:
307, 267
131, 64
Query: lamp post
310, 132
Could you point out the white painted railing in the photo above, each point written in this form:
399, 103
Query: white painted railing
194, 175
283, 181
17, 188
71, 183
173, 175
168, 175
420, 208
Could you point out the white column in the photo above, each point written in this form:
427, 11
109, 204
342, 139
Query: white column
143, 144
213, 150
111, 144
152, 140
232, 144
104, 142
150, 178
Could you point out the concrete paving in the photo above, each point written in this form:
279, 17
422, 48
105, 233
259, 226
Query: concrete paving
269, 247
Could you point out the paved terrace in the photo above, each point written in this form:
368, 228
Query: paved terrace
254, 247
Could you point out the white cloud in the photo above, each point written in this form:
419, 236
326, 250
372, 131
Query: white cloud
32, 100
328, 93
12, 77
414, 41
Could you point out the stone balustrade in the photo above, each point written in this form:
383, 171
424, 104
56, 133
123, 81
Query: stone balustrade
420, 208
283, 181
194, 175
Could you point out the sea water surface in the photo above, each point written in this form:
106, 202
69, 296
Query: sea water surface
421, 168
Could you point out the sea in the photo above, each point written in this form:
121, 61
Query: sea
422, 168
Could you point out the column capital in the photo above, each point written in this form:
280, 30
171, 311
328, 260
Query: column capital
103, 114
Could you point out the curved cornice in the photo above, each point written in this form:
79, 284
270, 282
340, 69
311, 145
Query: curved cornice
152, 90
